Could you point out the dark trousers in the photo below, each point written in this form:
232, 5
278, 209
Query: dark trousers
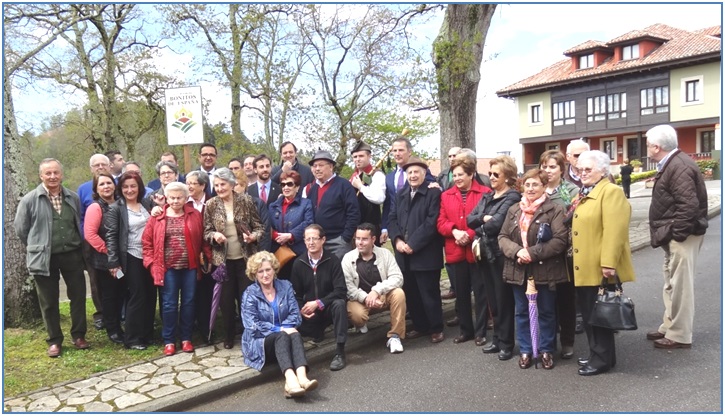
202, 302
451, 276
141, 306
114, 293
468, 278
289, 350
625, 187
601, 340
423, 299
231, 297
285, 272
566, 312
94, 280
546, 310
334, 314
70, 265
500, 302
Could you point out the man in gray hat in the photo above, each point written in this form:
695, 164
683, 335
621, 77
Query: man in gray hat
334, 204
370, 185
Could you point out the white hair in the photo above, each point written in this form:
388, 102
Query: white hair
99, 156
663, 136
601, 160
580, 142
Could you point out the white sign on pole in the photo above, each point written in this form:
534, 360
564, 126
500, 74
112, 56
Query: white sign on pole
184, 116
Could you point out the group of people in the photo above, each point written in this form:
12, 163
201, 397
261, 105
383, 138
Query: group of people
558, 230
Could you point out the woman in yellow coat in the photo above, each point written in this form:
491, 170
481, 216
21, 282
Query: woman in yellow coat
600, 241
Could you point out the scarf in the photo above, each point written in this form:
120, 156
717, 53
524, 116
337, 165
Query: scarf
527, 214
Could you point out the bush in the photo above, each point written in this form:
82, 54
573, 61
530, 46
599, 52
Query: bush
636, 177
636, 163
704, 165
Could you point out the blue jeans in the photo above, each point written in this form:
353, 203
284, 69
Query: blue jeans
175, 281
546, 306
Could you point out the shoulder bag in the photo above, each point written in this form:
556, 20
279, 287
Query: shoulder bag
612, 309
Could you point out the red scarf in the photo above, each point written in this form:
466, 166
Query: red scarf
528, 208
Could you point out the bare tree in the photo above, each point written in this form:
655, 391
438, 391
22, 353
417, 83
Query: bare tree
457, 54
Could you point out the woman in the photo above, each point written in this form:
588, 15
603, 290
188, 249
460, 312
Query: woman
540, 259
232, 227
289, 216
125, 221
487, 218
271, 315
197, 184
456, 203
600, 237
172, 242
564, 193
113, 290
167, 172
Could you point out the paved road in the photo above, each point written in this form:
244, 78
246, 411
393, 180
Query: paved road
459, 378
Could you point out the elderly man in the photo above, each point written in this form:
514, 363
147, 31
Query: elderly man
288, 153
48, 223
370, 185
573, 150
374, 283
334, 204
678, 221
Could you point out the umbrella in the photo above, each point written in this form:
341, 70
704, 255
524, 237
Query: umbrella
220, 276
531, 294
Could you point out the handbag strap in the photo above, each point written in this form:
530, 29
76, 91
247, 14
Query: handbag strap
617, 285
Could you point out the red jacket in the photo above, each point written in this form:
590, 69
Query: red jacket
453, 217
153, 242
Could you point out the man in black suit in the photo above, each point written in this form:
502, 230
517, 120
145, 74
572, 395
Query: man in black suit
290, 161
264, 188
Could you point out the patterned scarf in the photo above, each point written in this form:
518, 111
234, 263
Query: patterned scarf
528, 208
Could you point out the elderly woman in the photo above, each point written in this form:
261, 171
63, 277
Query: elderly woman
232, 227
167, 172
456, 203
172, 242
271, 315
487, 218
533, 239
290, 215
125, 222
112, 290
197, 181
563, 193
600, 237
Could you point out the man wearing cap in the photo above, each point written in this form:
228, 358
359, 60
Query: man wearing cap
334, 204
370, 185
419, 249
288, 153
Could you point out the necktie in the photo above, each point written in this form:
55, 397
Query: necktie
263, 195
401, 179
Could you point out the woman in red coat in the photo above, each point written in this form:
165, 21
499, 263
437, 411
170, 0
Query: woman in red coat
172, 242
456, 203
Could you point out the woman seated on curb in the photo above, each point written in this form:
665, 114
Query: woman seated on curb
270, 314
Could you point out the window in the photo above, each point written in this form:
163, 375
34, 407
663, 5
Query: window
654, 100
564, 113
630, 52
609, 148
707, 141
632, 148
691, 91
534, 113
610, 106
586, 61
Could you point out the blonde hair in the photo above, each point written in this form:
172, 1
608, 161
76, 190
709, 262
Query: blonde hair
254, 263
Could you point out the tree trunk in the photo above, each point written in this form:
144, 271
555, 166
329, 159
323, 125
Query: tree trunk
21, 301
457, 55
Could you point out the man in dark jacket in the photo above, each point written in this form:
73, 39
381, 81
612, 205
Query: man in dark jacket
626, 172
321, 292
288, 153
677, 221
419, 250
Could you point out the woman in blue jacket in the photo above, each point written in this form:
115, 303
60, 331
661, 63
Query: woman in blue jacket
271, 315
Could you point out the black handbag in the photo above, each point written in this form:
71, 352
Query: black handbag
612, 309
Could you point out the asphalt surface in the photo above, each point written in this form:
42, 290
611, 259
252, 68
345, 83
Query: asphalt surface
458, 378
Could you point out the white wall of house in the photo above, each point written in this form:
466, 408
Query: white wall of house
526, 127
709, 93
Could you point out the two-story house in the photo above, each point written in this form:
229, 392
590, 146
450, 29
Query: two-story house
611, 93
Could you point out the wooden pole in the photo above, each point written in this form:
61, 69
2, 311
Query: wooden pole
187, 159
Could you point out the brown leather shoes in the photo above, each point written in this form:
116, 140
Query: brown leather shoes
668, 344
413, 334
525, 361
654, 335
448, 296
480, 341
461, 339
437, 337
81, 344
547, 361
54, 351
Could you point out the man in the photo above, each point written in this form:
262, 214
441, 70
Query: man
116, 162
207, 163
155, 184
264, 188
445, 180
370, 185
319, 287
395, 180
98, 163
249, 169
48, 223
625, 171
288, 153
374, 283
334, 204
678, 221
573, 150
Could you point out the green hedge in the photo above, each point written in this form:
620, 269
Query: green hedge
707, 164
636, 177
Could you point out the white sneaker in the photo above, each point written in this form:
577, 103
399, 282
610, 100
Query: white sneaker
363, 329
395, 345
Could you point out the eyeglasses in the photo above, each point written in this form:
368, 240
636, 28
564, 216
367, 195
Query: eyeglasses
494, 174
167, 173
287, 184
192, 183
576, 154
533, 185
586, 170
312, 239
100, 165
208, 155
